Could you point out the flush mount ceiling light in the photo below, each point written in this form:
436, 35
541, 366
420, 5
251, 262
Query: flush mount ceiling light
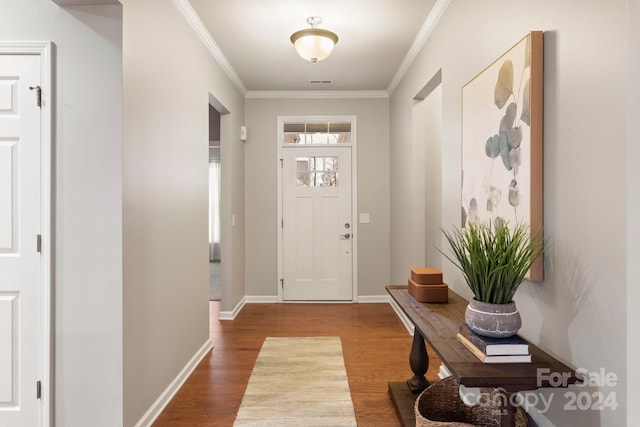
314, 44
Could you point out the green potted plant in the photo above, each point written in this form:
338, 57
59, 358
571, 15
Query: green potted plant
494, 260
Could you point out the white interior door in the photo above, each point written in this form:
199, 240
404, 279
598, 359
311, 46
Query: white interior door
317, 227
21, 323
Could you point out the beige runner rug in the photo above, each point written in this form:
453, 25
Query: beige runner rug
298, 382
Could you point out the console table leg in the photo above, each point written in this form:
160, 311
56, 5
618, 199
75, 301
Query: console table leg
419, 362
508, 417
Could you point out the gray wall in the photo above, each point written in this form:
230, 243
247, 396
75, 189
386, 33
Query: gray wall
578, 313
261, 189
633, 210
168, 77
87, 202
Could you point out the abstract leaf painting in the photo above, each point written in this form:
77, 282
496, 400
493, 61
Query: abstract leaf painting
502, 140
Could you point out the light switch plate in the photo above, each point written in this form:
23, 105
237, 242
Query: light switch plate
364, 218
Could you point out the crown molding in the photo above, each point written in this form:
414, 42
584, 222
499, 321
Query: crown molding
65, 3
429, 24
196, 23
316, 94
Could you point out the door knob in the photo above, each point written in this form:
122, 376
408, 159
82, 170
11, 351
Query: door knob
345, 235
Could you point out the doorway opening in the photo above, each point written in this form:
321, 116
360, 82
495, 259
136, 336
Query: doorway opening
427, 167
215, 270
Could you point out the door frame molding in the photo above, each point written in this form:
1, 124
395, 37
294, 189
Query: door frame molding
281, 120
45, 50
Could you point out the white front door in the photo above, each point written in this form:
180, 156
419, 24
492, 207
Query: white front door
21, 322
317, 229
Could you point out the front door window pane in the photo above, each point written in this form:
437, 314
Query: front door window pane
317, 171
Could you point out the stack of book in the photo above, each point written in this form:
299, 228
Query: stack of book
495, 350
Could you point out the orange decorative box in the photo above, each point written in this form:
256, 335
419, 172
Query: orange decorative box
426, 276
429, 293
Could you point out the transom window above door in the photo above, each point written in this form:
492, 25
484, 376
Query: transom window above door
317, 133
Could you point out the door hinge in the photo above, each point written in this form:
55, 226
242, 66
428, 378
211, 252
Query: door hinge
282, 283
281, 163
38, 90
282, 223
38, 389
39, 243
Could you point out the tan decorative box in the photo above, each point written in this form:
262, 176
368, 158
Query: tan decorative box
429, 293
426, 276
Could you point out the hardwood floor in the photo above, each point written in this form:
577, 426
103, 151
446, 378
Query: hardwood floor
375, 345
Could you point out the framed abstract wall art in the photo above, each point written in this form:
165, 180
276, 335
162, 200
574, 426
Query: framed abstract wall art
502, 141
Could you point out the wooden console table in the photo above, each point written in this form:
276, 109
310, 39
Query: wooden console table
438, 324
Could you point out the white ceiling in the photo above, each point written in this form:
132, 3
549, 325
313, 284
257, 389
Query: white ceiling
375, 37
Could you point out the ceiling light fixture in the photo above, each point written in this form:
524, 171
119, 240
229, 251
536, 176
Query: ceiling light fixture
314, 44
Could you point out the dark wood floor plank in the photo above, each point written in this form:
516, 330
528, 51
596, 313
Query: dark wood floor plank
375, 345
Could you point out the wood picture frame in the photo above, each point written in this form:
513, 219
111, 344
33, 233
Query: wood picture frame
502, 134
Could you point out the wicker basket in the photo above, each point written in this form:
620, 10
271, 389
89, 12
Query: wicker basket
440, 406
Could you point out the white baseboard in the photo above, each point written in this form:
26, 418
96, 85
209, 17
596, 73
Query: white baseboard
256, 299
443, 372
269, 299
367, 299
249, 299
403, 317
163, 400
230, 315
